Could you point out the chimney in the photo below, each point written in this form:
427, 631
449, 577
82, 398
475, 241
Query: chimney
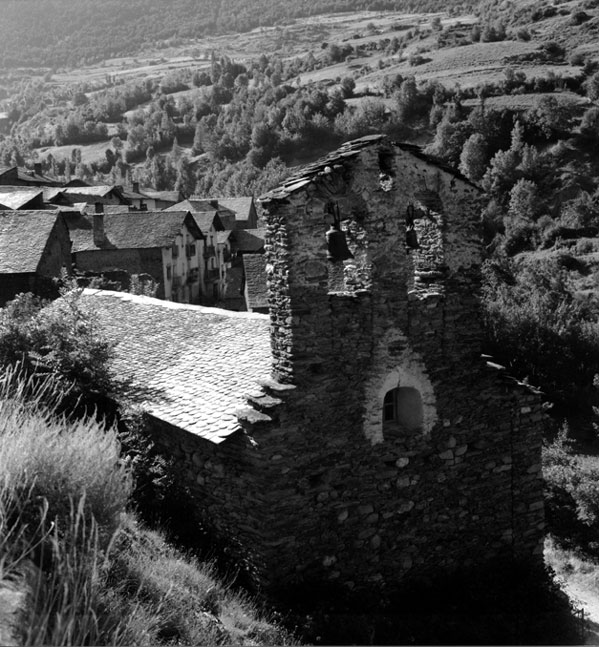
135, 187
98, 225
37, 168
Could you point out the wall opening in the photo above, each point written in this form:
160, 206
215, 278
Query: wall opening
403, 406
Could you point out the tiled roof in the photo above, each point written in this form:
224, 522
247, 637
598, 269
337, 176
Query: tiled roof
23, 238
337, 158
132, 195
223, 236
248, 240
194, 205
100, 191
52, 193
166, 196
31, 176
129, 230
190, 365
207, 220
15, 197
27, 176
241, 206
255, 281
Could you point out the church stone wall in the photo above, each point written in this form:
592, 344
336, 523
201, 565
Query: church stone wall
319, 486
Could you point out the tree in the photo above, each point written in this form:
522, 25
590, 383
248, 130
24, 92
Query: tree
525, 203
589, 125
473, 159
348, 85
186, 181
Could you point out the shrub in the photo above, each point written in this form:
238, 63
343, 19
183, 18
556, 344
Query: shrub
571, 494
58, 338
537, 326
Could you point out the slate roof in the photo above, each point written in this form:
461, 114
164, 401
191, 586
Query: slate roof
190, 365
241, 206
100, 191
166, 196
336, 159
28, 177
15, 197
208, 219
129, 230
255, 281
23, 238
248, 241
52, 193
223, 236
195, 205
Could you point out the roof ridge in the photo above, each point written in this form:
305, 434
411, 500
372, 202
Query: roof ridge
172, 305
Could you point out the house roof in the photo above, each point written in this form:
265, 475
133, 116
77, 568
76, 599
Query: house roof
310, 172
100, 191
27, 176
255, 281
130, 230
241, 206
207, 220
23, 238
165, 196
179, 358
195, 205
223, 236
52, 193
249, 241
16, 197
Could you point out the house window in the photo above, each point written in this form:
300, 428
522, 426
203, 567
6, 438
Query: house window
168, 273
191, 250
175, 249
403, 406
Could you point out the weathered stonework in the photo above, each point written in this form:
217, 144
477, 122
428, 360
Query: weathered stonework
318, 485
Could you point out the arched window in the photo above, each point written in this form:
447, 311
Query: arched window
403, 406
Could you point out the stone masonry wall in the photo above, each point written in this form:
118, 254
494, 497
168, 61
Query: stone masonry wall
134, 261
317, 486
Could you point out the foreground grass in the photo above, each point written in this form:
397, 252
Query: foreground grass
93, 573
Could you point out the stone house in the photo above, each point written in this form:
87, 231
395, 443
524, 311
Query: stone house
354, 435
164, 245
34, 249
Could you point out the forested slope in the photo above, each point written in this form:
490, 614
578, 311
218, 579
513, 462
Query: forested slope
65, 33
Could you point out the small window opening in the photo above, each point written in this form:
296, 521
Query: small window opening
404, 407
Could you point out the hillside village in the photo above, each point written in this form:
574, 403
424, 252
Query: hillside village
188, 251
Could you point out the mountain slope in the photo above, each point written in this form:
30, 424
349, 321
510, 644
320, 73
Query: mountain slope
36, 33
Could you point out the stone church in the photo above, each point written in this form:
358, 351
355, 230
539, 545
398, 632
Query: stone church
355, 434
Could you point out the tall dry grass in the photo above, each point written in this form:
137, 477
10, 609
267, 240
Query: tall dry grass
95, 576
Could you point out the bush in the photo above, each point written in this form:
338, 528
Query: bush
537, 327
57, 338
571, 494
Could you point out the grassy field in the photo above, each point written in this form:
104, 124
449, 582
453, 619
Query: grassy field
89, 152
526, 101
